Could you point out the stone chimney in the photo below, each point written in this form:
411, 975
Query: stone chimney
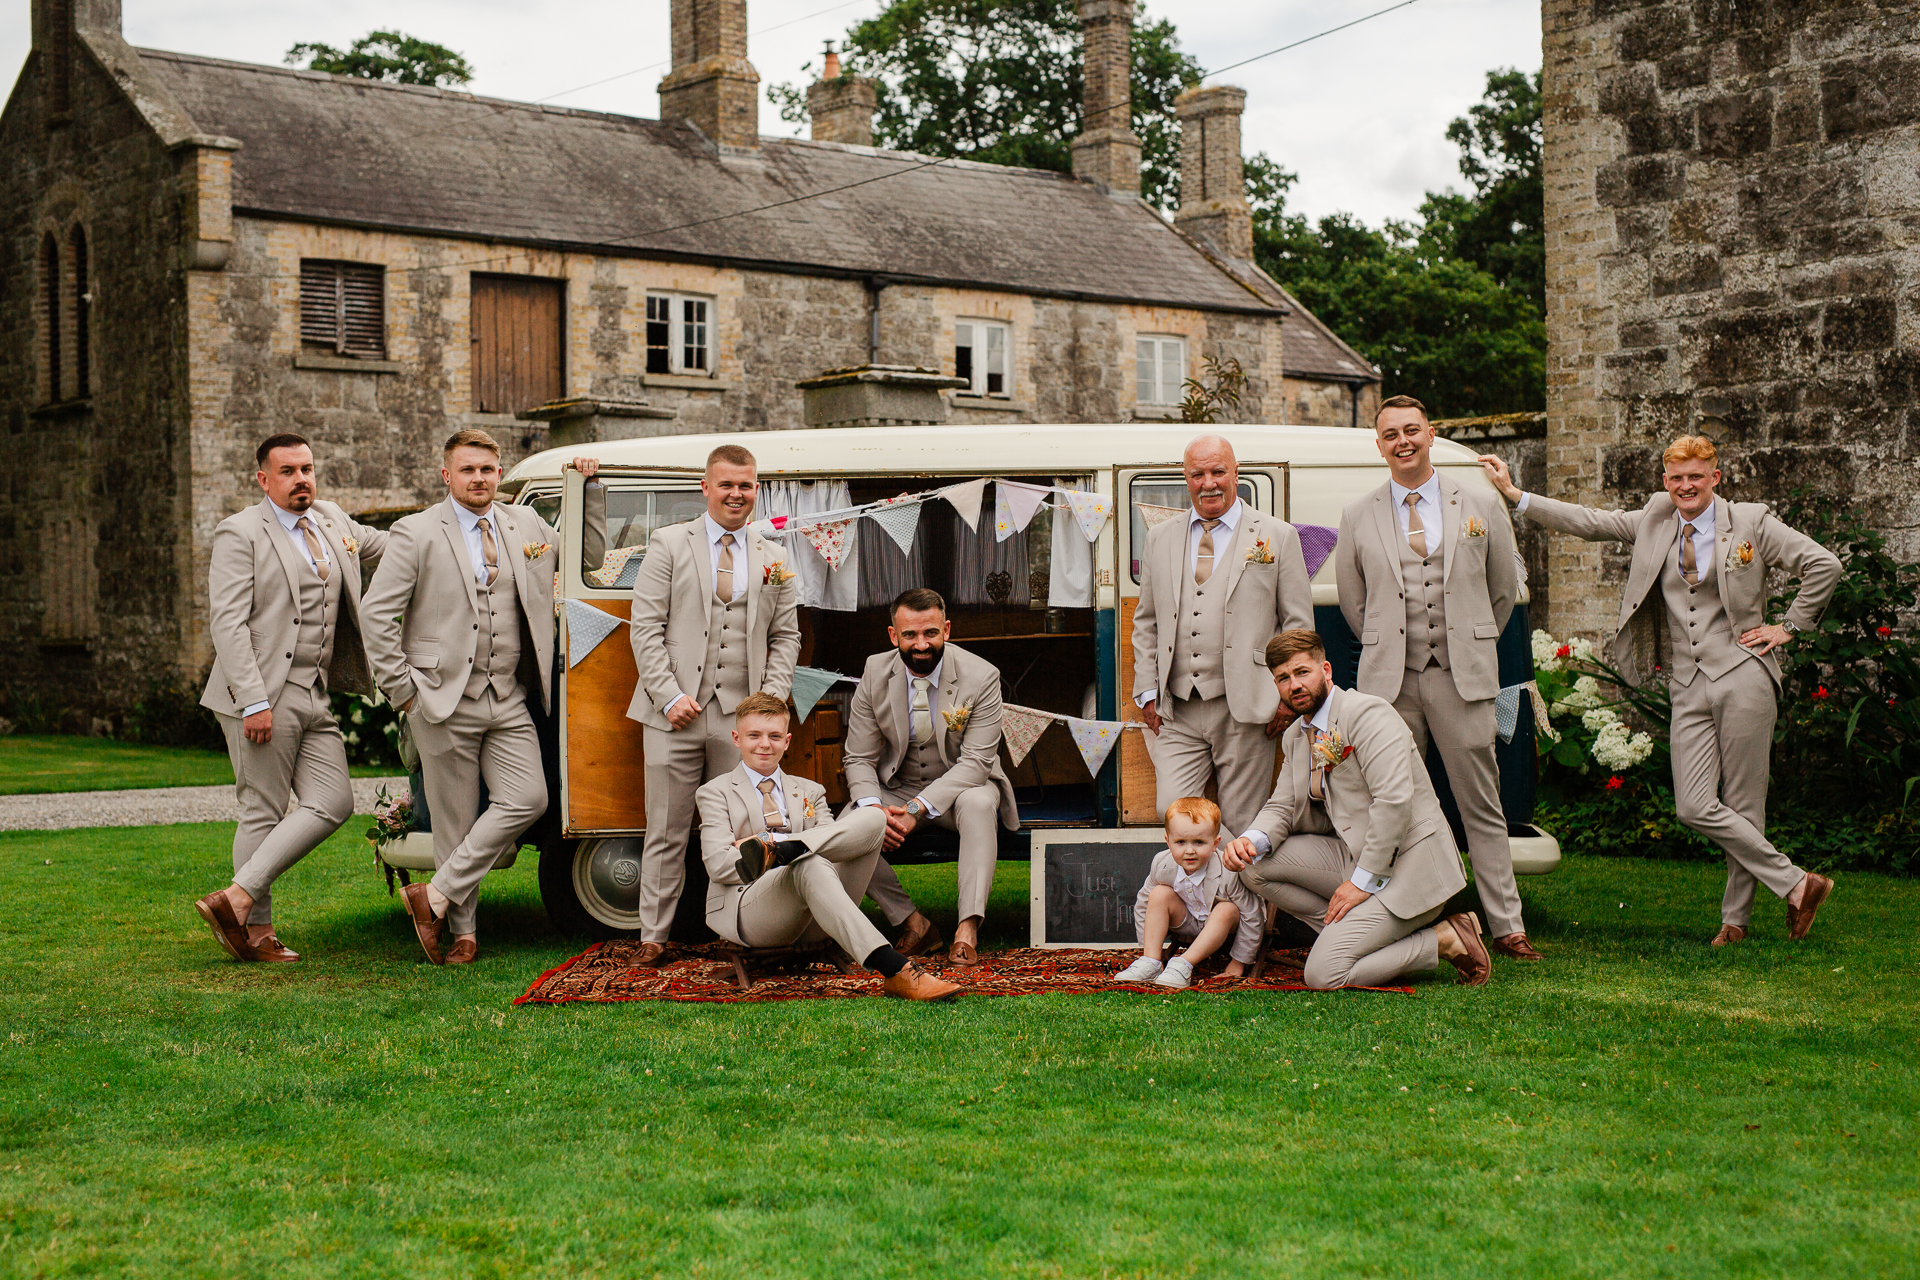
54, 23
712, 85
841, 107
1213, 181
1107, 150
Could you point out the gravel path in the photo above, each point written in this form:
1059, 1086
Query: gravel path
147, 807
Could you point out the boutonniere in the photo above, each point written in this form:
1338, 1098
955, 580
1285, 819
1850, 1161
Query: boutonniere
806, 806
1740, 556
1261, 552
1474, 528
534, 550
957, 717
1331, 750
776, 573
350, 546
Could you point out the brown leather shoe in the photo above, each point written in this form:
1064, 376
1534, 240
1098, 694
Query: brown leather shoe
1800, 918
648, 956
425, 926
462, 951
1516, 946
915, 983
227, 928
1475, 967
271, 949
963, 954
1728, 935
918, 936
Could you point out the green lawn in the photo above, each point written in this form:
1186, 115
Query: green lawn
1639, 1105
36, 764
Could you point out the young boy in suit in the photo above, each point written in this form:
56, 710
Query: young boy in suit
1191, 896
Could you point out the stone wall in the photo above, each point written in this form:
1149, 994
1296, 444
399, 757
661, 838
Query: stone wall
1732, 192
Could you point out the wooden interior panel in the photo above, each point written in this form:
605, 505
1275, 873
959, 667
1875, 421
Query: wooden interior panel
1136, 767
816, 751
606, 772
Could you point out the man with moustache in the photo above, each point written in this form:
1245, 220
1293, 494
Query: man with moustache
923, 742
715, 617
1214, 588
460, 625
1428, 577
283, 596
1352, 842
1697, 592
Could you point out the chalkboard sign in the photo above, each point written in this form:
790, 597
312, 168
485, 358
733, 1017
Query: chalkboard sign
1084, 884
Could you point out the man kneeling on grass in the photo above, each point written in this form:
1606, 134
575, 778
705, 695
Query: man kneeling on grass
1190, 895
781, 870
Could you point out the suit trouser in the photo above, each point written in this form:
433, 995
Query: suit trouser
1431, 704
678, 761
818, 894
490, 738
1198, 737
975, 814
306, 757
1367, 947
1722, 741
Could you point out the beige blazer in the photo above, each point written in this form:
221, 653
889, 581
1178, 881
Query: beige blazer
1217, 884
1481, 575
423, 607
1380, 800
1262, 600
1654, 533
672, 607
253, 599
878, 734
729, 808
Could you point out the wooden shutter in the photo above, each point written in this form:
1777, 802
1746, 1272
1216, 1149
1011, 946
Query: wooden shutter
518, 342
343, 305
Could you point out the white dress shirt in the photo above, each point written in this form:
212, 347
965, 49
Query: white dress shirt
1191, 886
1429, 505
933, 711
779, 781
290, 521
476, 547
1362, 879
1230, 521
1702, 535
714, 533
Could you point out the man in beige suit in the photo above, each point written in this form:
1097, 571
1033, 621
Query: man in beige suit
459, 629
923, 742
1696, 594
1214, 588
284, 615
781, 869
715, 617
1352, 842
1428, 577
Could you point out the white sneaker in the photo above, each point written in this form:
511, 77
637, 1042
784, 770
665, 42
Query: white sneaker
1178, 974
1141, 970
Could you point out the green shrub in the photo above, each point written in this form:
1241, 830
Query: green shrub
169, 714
372, 730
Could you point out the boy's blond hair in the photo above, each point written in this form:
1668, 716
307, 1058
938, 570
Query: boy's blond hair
762, 704
1196, 809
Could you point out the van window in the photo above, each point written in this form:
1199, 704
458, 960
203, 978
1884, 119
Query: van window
1163, 491
633, 515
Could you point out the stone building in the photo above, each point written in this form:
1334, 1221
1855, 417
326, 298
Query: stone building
199, 254
1731, 197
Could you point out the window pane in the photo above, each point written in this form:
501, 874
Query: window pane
1159, 492
1144, 388
996, 360
659, 334
963, 355
694, 339
1173, 370
634, 514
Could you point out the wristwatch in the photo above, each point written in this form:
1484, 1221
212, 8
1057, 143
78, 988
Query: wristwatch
1790, 628
916, 809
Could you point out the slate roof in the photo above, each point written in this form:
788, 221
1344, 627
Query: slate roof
336, 149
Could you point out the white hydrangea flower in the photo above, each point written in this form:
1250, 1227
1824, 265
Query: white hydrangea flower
1600, 719
1583, 649
1618, 749
1545, 652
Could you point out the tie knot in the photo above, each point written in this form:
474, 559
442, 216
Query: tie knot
1687, 529
1413, 496
922, 682
302, 523
726, 539
1209, 525
766, 786
482, 522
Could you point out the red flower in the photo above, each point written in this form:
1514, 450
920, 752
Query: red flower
1613, 783
1893, 702
1820, 694
1884, 632
1565, 650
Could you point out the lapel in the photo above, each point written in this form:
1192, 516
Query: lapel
702, 558
745, 809
349, 582
512, 552
1449, 525
1722, 539
1666, 536
1334, 729
290, 560
949, 699
896, 691
1167, 583
457, 540
746, 540
1243, 536
797, 819
1389, 529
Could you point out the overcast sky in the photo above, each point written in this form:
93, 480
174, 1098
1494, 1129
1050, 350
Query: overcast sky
1358, 115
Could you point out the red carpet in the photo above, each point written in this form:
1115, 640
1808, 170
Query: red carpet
604, 973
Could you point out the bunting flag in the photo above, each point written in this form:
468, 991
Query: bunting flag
810, 684
1506, 710
586, 628
1153, 515
967, 499
1316, 544
1021, 727
899, 519
833, 539
1091, 510
1095, 738
618, 569
1013, 506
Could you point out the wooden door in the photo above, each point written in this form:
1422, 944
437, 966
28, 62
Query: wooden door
518, 342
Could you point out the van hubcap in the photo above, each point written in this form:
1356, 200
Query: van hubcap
606, 879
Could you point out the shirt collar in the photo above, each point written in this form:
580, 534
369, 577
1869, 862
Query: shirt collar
755, 779
716, 531
1194, 878
289, 520
1702, 523
1429, 491
1231, 519
1324, 716
933, 676
470, 519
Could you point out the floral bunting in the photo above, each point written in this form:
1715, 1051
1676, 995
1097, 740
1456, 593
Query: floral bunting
833, 539
1013, 506
1152, 515
967, 499
1091, 510
899, 519
1506, 710
1021, 727
586, 628
618, 569
1095, 738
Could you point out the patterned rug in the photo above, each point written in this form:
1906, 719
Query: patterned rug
605, 973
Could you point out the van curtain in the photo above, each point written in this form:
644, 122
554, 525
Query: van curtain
821, 586
977, 557
1070, 577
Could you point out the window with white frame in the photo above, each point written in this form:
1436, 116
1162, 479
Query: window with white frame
1159, 369
679, 334
982, 354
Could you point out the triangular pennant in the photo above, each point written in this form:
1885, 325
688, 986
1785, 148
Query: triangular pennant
1095, 738
1021, 727
614, 568
966, 499
1152, 515
810, 684
833, 539
1316, 544
586, 628
899, 520
1013, 506
1091, 510
1506, 711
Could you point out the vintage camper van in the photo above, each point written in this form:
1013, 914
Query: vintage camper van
1052, 610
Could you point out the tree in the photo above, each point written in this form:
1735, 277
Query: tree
386, 55
1501, 228
1000, 81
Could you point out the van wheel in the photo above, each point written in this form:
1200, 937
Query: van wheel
591, 888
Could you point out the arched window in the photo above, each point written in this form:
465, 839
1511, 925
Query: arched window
82, 305
50, 300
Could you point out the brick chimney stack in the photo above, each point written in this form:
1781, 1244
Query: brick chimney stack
1213, 181
841, 107
712, 85
1107, 150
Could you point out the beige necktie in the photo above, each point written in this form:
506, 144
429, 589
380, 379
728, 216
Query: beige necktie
1314, 774
723, 573
1689, 568
1203, 555
314, 548
489, 550
1416, 532
921, 721
770, 808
